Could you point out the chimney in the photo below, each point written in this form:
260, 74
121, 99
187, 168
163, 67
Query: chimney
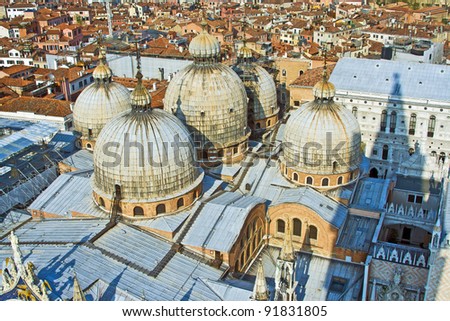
161, 74
154, 86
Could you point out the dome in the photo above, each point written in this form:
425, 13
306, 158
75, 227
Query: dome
204, 45
261, 90
212, 102
98, 103
155, 169
322, 138
245, 53
324, 90
148, 154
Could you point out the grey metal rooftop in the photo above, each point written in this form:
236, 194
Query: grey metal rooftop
400, 80
417, 184
371, 194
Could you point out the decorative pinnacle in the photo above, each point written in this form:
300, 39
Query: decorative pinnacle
204, 23
138, 59
324, 73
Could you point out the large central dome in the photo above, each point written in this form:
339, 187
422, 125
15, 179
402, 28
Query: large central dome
210, 99
98, 103
322, 142
147, 154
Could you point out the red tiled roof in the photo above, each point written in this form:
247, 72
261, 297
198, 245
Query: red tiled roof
41, 106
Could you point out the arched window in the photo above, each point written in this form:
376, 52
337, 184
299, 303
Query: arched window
383, 121
268, 122
312, 232
431, 125
101, 202
88, 146
297, 224
309, 180
355, 111
335, 164
393, 122
300, 72
412, 124
195, 195
283, 72
160, 209
295, 177
281, 225
180, 203
385, 152
325, 181
258, 125
138, 211
339, 180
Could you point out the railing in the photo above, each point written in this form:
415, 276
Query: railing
401, 254
416, 213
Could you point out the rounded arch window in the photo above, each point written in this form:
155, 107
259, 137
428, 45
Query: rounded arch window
180, 203
313, 232
138, 211
160, 209
325, 181
101, 202
297, 224
295, 177
309, 180
339, 180
281, 226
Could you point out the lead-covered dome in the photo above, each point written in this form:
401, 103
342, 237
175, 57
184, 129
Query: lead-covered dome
210, 99
148, 154
322, 142
98, 103
261, 91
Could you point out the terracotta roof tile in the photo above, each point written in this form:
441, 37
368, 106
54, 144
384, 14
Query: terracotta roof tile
41, 106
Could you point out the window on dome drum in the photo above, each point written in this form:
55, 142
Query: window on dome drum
412, 124
431, 125
101, 202
339, 180
160, 209
383, 121
355, 112
385, 152
295, 177
281, 225
297, 224
325, 181
138, 211
335, 164
89, 133
312, 232
309, 180
180, 203
268, 122
393, 122
88, 146
258, 125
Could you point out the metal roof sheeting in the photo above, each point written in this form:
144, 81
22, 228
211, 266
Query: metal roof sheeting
69, 192
394, 79
55, 230
218, 225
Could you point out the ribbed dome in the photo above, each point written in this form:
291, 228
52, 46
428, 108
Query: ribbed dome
260, 88
245, 53
322, 137
97, 104
140, 96
204, 45
324, 90
102, 71
211, 100
157, 163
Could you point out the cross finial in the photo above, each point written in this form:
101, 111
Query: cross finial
204, 23
324, 54
138, 59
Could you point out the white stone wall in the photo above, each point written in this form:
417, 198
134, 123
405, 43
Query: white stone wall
369, 111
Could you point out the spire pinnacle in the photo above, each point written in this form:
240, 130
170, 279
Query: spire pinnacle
324, 73
141, 99
287, 252
204, 23
138, 59
78, 294
260, 291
